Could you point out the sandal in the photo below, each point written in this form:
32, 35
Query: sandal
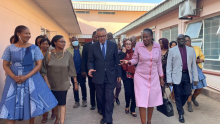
134, 114
127, 111
53, 116
173, 99
44, 120
56, 121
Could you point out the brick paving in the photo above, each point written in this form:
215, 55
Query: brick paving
207, 113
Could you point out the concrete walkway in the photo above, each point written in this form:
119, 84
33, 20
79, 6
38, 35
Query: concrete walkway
207, 113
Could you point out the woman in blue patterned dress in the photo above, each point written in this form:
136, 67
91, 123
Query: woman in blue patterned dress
25, 95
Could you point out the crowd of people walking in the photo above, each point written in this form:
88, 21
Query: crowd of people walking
38, 76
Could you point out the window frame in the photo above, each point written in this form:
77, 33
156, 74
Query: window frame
199, 28
86, 12
105, 12
170, 39
218, 31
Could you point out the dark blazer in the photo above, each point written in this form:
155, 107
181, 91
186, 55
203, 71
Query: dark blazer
85, 57
97, 62
121, 57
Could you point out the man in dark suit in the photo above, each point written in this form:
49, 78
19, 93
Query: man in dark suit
103, 64
85, 71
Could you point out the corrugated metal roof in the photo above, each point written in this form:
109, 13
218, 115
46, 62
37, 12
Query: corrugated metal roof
81, 35
62, 12
162, 8
113, 6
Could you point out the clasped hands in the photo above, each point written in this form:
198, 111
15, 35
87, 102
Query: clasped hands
20, 79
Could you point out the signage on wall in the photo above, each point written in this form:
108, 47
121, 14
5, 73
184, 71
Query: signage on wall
88, 40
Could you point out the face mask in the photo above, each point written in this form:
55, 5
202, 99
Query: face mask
75, 43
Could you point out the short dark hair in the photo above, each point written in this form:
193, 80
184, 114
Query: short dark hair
93, 33
18, 29
165, 43
172, 43
12, 38
40, 36
55, 39
45, 39
148, 30
187, 36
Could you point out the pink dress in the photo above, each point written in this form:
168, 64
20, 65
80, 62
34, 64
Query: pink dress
146, 79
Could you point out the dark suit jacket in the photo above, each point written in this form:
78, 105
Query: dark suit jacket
85, 57
97, 62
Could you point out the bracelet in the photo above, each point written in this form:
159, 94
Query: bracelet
76, 82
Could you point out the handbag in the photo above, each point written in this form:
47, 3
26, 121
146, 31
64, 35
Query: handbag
166, 108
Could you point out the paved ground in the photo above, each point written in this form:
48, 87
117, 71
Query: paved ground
207, 113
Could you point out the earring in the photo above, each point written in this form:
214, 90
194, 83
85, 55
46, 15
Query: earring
20, 38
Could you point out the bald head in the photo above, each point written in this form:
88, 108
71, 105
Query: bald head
74, 38
181, 40
110, 36
133, 40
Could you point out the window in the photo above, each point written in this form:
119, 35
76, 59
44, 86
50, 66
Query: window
82, 12
197, 43
43, 31
108, 13
193, 29
170, 33
154, 35
212, 43
218, 32
174, 33
166, 34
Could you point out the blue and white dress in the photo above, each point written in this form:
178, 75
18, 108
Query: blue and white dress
31, 98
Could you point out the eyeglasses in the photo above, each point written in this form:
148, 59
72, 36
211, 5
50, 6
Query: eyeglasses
128, 44
102, 36
62, 41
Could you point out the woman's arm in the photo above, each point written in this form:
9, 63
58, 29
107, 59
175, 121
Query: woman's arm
159, 64
201, 56
6, 67
35, 70
135, 57
47, 82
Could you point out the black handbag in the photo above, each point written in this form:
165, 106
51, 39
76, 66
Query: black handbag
166, 108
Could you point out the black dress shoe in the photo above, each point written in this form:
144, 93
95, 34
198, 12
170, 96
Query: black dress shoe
117, 101
92, 108
110, 123
133, 114
99, 111
103, 121
181, 119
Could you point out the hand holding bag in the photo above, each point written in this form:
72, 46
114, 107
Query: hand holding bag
166, 108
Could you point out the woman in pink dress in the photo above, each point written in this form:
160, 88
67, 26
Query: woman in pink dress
148, 75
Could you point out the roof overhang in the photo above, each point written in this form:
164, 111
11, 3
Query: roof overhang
62, 12
161, 9
86, 36
112, 6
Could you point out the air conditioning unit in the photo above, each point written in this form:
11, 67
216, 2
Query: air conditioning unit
187, 9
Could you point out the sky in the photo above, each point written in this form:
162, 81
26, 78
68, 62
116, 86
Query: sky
136, 1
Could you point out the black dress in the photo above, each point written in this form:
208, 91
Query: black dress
164, 65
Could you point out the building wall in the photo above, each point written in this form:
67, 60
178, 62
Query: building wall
210, 8
90, 22
23, 12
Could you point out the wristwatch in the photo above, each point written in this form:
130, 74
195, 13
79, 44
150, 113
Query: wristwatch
76, 82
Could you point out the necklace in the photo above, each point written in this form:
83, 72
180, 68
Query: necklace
58, 57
